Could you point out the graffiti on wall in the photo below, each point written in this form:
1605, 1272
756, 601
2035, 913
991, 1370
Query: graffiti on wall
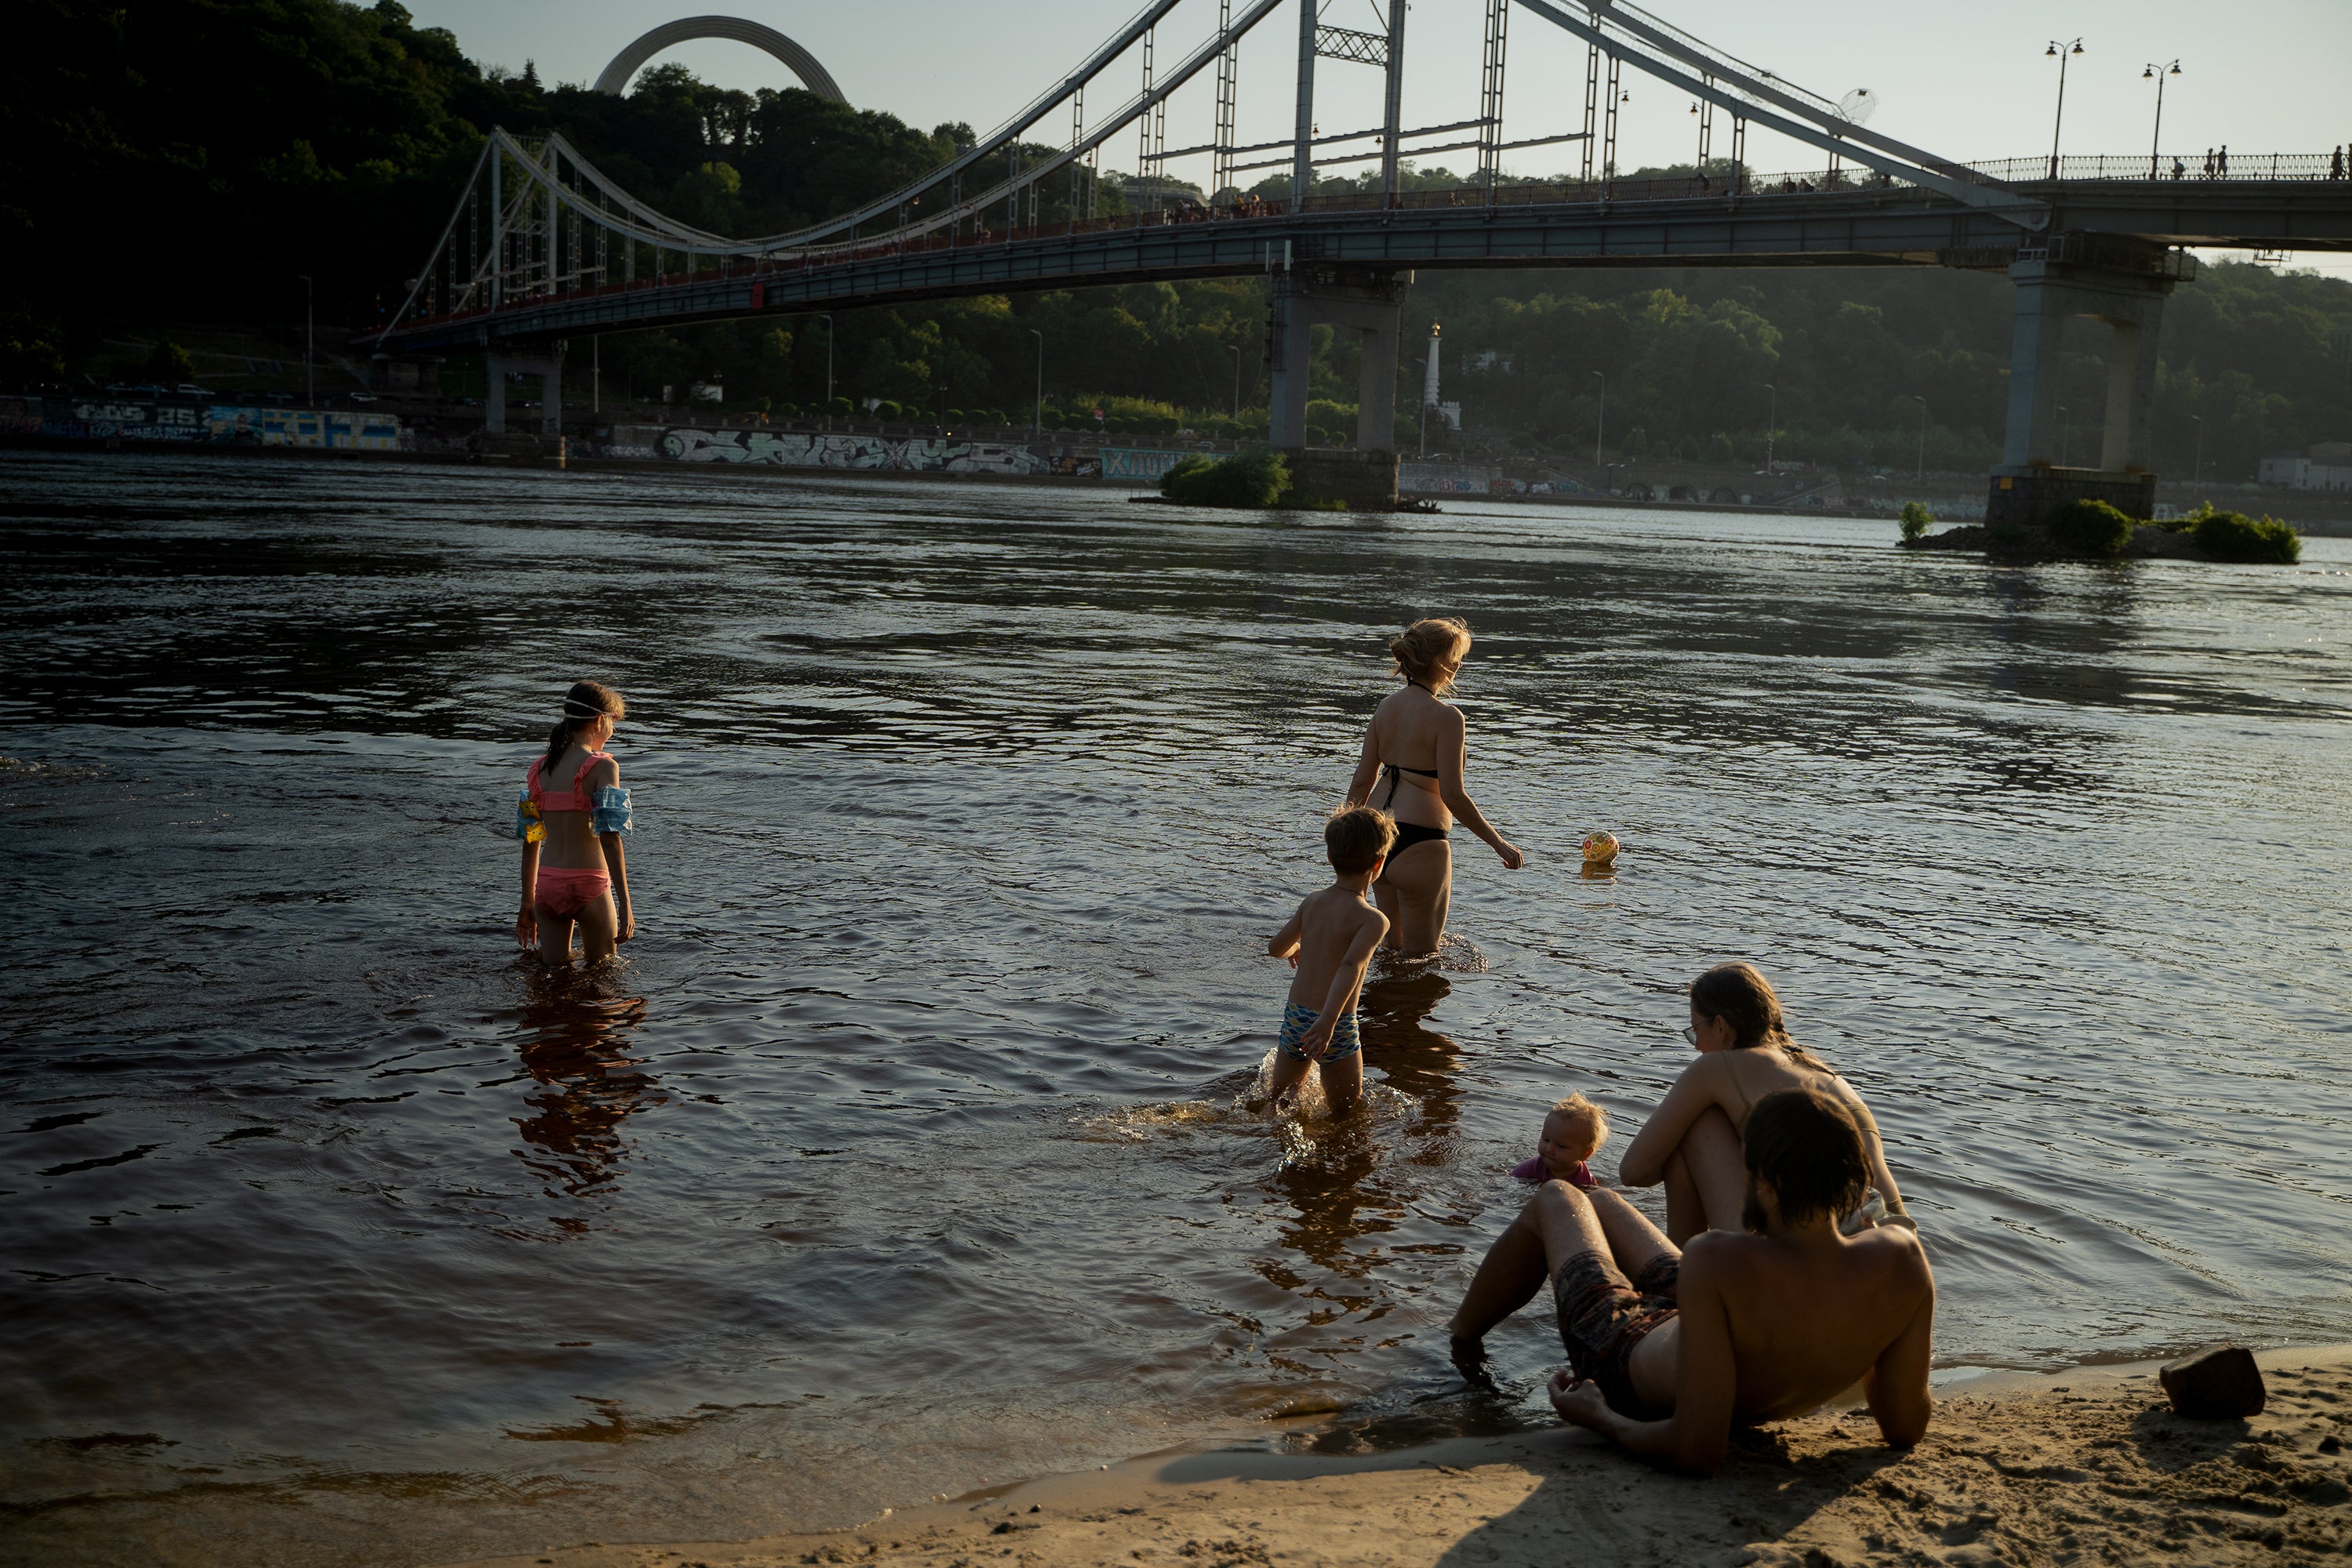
1480, 480
99, 418
1447, 478
325, 428
801, 450
117, 419
1140, 465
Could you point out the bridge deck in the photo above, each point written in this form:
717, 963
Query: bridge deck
1896, 226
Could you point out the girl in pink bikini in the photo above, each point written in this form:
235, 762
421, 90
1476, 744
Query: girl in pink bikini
573, 868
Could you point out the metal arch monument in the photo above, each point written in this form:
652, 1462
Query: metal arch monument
543, 247
625, 65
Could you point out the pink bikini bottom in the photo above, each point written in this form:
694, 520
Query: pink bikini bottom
563, 892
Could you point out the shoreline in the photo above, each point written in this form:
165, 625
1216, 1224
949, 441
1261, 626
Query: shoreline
2087, 1465
1882, 510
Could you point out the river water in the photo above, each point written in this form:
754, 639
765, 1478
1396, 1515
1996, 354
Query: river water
911, 1149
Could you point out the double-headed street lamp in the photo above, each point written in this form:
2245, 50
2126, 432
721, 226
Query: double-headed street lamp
309, 332
1922, 471
2157, 75
828, 318
2059, 52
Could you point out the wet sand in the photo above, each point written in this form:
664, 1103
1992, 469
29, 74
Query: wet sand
2085, 1467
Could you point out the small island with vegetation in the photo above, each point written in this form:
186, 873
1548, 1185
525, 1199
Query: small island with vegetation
1252, 480
2095, 531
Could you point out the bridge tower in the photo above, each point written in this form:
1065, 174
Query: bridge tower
1364, 301
548, 365
1360, 300
2112, 278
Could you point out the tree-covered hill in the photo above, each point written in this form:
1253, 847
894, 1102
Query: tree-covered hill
2263, 359
175, 162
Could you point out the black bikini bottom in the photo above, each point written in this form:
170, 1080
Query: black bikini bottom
1411, 833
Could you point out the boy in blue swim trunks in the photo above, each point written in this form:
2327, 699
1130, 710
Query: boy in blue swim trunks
1328, 941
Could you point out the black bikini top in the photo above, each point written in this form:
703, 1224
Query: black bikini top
1393, 771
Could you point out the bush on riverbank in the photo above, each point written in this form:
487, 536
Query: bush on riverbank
2234, 537
2095, 531
2091, 528
1917, 521
1253, 481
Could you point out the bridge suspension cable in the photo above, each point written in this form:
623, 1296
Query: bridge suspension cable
1626, 32
556, 222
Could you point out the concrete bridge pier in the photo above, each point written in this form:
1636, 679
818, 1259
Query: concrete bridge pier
2123, 285
1349, 299
496, 367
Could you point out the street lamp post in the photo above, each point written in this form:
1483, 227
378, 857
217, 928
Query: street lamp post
828, 318
1037, 409
1601, 420
1921, 472
2197, 472
1771, 424
310, 332
1236, 350
2156, 74
2059, 52
1429, 384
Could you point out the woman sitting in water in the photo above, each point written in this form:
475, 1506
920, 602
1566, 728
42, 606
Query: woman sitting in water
1692, 1142
1415, 747
573, 868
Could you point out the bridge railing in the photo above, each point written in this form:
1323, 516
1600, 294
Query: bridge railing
1749, 187
2140, 167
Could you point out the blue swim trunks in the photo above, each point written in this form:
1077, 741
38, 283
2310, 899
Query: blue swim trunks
1297, 1020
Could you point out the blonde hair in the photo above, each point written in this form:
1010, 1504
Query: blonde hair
1584, 1112
1356, 837
1425, 644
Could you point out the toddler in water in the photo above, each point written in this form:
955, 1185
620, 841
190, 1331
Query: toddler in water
1573, 1134
1328, 941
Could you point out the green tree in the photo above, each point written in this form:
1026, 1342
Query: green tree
710, 197
168, 364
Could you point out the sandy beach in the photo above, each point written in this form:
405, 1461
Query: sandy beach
2084, 1467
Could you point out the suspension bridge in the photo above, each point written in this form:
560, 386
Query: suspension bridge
543, 247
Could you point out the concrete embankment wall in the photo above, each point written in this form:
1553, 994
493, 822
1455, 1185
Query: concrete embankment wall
135, 421
116, 419
881, 451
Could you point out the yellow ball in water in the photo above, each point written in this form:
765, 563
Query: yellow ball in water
1601, 849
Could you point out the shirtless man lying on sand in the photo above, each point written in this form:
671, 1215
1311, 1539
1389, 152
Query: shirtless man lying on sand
1667, 1349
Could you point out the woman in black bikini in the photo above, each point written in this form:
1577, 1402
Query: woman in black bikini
1414, 755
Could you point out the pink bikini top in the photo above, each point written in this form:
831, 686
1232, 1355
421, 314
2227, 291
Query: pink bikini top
576, 797
1534, 1170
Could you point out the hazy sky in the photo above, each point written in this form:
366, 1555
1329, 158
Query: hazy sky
1967, 81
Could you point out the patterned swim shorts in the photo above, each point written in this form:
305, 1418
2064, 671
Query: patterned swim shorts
1603, 1315
1297, 1020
